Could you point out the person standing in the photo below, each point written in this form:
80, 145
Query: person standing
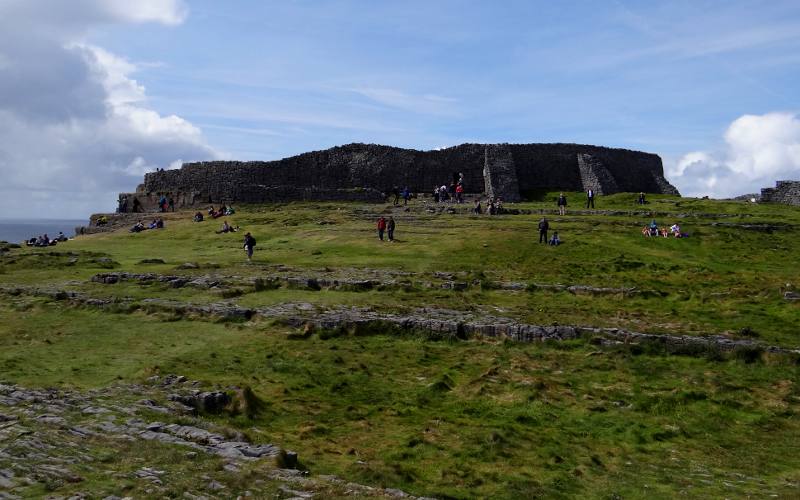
171, 203
641, 199
562, 204
543, 227
249, 244
381, 227
590, 197
390, 229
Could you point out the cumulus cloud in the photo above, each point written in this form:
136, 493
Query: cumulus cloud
77, 127
759, 150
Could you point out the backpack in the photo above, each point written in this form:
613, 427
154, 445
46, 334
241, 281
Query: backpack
252, 241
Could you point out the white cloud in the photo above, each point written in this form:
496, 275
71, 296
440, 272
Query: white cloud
759, 150
76, 125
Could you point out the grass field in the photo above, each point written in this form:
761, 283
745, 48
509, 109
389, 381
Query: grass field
469, 418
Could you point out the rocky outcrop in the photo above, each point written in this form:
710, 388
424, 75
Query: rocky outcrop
366, 172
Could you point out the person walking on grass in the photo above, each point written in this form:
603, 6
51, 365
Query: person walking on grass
590, 197
562, 204
543, 227
249, 244
390, 229
381, 227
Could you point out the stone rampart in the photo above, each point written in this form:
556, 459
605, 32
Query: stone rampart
365, 171
787, 192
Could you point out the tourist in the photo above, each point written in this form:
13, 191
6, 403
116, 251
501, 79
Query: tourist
198, 217
137, 205
459, 194
171, 203
490, 209
396, 193
61, 237
562, 204
249, 244
590, 197
162, 203
225, 227
543, 227
477, 208
138, 227
436, 194
153, 224
443, 196
555, 241
641, 200
160, 223
406, 195
675, 229
381, 227
653, 228
390, 229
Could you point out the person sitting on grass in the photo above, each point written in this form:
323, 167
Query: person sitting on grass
554, 241
675, 229
160, 223
226, 228
61, 236
198, 217
230, 211
654, 228
138, 227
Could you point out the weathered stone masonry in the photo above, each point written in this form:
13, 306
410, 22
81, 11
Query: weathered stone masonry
787, 192
366, 171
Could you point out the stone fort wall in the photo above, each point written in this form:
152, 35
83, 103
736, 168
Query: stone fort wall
787, 192
366, 171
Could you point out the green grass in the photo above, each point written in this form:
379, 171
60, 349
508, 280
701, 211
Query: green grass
473, 418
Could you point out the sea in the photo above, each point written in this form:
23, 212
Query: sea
19, 230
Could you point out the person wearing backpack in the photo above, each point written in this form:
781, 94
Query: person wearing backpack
249, 243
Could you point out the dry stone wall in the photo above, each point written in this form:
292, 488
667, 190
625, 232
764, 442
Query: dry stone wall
366, 171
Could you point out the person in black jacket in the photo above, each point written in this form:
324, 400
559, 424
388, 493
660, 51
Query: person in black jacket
562, 204
543, 227
590, 197
390, 228
249, 243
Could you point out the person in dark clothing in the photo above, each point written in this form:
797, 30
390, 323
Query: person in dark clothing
543, 227
171, 203
137, 206
249, 244
590, 197
641, 200
562, 204
390, 228
396, 193
381, 227
406, 195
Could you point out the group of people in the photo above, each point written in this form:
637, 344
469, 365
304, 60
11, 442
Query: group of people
454, 193
405, 194
652, 230
222, 212
386, 226
544, 226
157, 223
166, 204
44, 241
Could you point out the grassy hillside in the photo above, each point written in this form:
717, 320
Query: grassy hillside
453, 418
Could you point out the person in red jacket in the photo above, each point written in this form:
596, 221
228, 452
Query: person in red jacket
381, 227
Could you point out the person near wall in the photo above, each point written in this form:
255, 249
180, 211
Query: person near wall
590, 197
562, 204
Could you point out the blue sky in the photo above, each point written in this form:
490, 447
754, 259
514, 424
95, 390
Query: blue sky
709, 86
